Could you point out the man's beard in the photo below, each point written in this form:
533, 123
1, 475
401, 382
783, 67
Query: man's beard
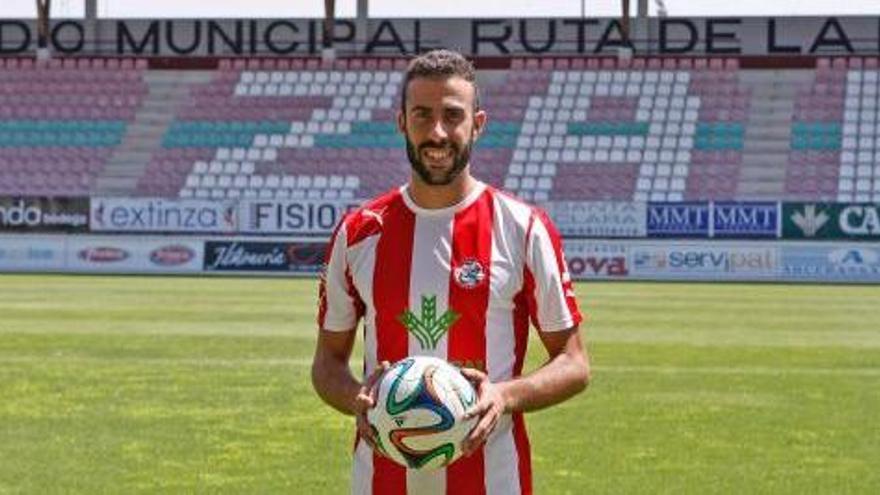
460, 159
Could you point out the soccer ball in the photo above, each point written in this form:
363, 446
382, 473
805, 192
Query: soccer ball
418, 419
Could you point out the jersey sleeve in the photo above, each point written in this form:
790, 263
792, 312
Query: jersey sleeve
554, 305
340, 306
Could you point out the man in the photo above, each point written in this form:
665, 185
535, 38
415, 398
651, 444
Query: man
447, 240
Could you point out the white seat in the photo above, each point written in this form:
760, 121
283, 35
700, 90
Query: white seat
272, 182
304, 182
200, 167
208, 181
352, 182
240, 182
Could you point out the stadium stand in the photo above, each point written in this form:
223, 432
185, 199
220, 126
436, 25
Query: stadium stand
655, 129
60, 121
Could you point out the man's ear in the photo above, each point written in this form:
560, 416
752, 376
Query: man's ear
480, 120
401, 122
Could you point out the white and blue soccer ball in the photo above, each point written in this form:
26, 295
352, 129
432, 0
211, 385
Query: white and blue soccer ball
418, 419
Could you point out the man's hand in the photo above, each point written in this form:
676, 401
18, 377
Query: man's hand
488, 409
365, 400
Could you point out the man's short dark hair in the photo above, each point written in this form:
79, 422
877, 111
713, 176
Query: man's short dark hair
440, 64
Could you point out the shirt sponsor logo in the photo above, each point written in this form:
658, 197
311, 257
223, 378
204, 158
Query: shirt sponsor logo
427, 327
172, 255
470, 274
103, 254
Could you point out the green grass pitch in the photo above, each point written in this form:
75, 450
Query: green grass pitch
201, 385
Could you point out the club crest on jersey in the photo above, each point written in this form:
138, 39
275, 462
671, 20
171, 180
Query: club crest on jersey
469, 274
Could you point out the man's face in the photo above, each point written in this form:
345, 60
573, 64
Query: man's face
440, 127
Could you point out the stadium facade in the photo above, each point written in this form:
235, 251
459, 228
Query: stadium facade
691, 149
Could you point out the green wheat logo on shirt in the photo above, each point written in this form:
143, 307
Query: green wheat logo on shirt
428, 328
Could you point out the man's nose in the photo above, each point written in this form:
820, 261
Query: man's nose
438, 131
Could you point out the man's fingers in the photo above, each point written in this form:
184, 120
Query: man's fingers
478, 409
473, 375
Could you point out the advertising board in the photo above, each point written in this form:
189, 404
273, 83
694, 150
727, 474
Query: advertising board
292, 217
598, 218
840, 221
264, 256
163, 215
685, 219
853, 262
745, 220
132, 254
589, 259
704, 261
32, 253
39, 214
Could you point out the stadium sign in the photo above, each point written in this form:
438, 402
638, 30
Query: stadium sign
162, 215
258, 256
740, 220
489, 37
34, 214
598, 218
686, 219
705, 261
838, 262
133, 254
32, 253
596, 259
298, 217
852, 221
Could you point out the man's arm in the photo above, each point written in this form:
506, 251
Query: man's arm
566, 373
331, 376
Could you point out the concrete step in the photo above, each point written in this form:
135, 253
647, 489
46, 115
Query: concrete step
133, 156
772, 105
186, 77
765, 146
758, 191
760, 173
777, 75
767, 133
114, 182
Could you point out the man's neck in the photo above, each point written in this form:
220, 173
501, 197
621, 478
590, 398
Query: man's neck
436, 197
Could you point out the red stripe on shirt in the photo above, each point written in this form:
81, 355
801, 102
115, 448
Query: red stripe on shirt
469, 297
391, 298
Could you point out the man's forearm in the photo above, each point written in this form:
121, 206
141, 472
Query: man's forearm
560, 378
335, 384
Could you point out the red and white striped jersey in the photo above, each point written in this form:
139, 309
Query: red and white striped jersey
482, 269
